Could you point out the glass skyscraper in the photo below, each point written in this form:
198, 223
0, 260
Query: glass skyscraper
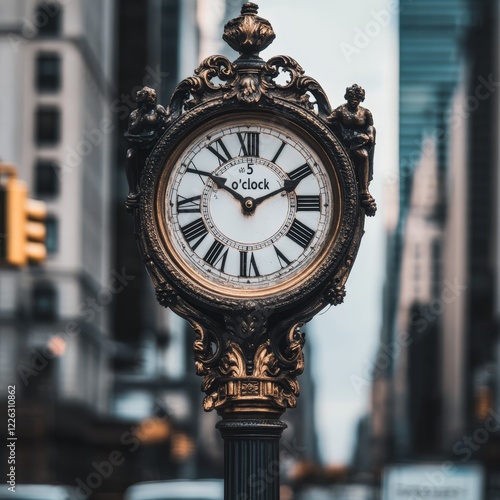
434, 62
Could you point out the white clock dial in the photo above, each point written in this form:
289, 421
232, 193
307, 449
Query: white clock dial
249, 206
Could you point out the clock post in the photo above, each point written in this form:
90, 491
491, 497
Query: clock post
249, 199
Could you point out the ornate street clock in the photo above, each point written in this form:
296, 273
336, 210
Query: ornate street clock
249, 198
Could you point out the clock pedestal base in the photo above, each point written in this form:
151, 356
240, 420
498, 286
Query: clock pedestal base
251, 458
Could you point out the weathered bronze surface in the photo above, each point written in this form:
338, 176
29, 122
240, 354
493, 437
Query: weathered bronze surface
248, 346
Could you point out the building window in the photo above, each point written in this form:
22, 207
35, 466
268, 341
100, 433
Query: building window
44, 304
52, 238
48, 72
46, 178
48, 19
48, 126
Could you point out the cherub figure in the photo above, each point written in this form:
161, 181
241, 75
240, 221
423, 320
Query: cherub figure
149, 117
355, 127
145, 125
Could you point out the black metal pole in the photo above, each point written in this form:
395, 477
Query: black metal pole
251, 458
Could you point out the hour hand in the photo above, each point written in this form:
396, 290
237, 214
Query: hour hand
288, 187
220, 182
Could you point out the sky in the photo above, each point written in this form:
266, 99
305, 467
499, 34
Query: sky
340, 43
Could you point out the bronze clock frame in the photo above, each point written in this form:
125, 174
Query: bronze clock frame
186, 280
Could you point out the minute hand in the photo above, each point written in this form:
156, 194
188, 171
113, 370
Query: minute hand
289, 186
219, 181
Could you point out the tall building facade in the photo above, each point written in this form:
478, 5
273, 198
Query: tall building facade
57, 62
432, 58
442, 280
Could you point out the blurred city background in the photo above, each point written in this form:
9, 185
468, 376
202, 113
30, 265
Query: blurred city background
402, 383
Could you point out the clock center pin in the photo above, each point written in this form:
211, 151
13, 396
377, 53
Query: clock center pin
249, 205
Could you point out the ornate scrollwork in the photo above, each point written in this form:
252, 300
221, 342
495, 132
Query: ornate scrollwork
166, 295
336, 294
265, 363
249, 323
247, 88
243, 376
195, 89
299, 88
216, 67
240, 370
230, 388
248, 83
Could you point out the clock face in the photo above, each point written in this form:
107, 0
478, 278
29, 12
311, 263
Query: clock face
249, 204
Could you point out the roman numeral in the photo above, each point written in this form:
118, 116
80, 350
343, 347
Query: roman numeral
195, 230
284, 262
224, 156
300, 173
308, 203
300, 233
249, 143
188, 205
199, 173
280, 150
214, 257
246, 266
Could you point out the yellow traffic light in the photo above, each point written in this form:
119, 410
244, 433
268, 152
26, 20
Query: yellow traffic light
36, 230
22, 227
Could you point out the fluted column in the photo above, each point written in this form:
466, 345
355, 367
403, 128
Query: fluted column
251, 458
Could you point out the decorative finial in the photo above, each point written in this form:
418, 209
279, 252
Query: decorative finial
250, 9
249, 34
